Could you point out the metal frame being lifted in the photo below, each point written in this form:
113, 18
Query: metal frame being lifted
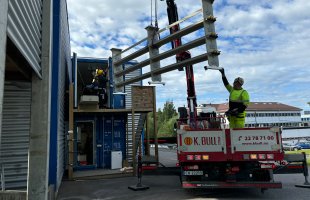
154, 43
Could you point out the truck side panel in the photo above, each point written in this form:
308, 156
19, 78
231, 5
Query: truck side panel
255, 140
202, 141
234, 145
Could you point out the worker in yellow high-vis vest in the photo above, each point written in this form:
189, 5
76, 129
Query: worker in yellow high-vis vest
238, 101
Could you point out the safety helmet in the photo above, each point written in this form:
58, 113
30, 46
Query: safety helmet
239, 80
99, 71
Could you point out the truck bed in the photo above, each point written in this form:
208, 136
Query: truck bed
230, 144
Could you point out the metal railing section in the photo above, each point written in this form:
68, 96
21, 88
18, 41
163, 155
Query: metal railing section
154, 43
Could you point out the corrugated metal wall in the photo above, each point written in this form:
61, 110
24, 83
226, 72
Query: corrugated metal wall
133, 74
15, 134
60, 76
65, 64
24, 29
128, 104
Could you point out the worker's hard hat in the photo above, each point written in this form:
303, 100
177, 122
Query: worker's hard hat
239, 80
99, 71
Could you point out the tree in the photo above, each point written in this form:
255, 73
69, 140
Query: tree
150, 124
167, 129
160, 115
165, 121
169, 110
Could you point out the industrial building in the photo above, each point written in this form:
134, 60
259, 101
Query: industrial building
305, 118
35, 72
266, 114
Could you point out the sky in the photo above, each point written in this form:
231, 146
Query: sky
265, 42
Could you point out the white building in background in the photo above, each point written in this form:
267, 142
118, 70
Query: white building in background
305, 118
265, 114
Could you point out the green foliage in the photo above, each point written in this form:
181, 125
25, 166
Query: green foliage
165, 121
167, 128
169, 110
150, 124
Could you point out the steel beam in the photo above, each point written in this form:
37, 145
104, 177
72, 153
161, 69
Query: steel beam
207, 10
133, 68
166, 69
185, 47
116, 56
180, 33
132, 56
153, 51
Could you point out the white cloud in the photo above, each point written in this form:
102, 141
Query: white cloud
266, 42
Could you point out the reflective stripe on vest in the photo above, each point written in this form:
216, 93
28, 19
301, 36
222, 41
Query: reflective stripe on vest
238, 100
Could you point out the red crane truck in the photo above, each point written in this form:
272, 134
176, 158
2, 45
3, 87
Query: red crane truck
213, 157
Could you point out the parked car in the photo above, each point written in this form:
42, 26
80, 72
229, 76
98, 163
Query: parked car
303, 145
287, 146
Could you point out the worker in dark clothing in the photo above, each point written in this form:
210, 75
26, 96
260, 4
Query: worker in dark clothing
99, 80
99, 84
238, 101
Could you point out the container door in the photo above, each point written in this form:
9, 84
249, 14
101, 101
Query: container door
99, 143
119, 135
85, 144
107, 141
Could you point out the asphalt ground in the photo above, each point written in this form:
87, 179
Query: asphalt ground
168, 187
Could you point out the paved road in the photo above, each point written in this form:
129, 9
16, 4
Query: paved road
168, 187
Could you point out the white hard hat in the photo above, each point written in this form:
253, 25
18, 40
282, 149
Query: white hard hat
239, 80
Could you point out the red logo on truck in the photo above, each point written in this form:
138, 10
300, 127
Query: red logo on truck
188, 141
202, 141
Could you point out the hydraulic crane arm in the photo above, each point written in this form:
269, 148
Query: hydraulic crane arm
173, 16
191, 94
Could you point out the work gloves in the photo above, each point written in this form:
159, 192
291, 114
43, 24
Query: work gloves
222, 71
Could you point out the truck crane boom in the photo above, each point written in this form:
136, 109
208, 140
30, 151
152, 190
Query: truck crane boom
191, 94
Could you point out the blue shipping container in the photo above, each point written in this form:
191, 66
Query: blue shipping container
107, 141
118, 101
